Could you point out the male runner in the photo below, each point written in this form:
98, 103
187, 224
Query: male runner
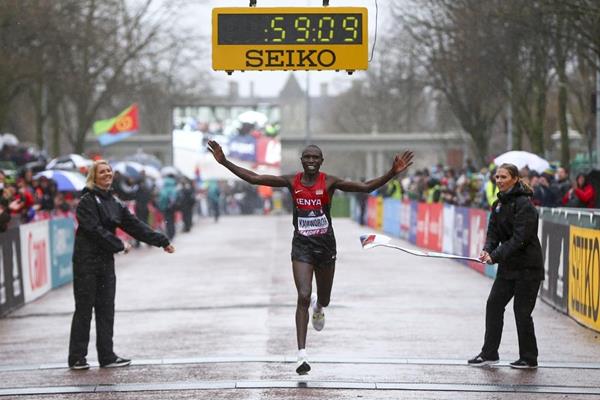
313, 245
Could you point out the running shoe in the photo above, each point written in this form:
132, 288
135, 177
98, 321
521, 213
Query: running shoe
118, 362
80, 365
481, 361
318, 317
523, 364
302, 366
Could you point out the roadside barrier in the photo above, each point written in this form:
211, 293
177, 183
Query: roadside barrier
37, 257
570, 241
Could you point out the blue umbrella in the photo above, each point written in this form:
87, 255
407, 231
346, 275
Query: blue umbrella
66, 181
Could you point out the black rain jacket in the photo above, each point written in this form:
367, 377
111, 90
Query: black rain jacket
99, 214
512, 239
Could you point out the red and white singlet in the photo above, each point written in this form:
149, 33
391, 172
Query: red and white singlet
311, 207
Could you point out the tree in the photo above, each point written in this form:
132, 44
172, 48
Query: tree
457, 55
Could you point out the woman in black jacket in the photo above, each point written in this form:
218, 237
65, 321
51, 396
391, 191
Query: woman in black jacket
94, 281
512, 242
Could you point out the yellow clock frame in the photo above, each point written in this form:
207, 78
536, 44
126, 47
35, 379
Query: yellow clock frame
290, 56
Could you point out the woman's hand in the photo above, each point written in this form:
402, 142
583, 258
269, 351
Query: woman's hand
402, 162
217, 151
484, 257
127, 247
169, 249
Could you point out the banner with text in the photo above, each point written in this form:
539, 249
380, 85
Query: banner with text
584, 276
391, 217
11, 282
461, 232
35, 255
555, 247
414, 217
448, 217
405, 222
477, 233
62, 239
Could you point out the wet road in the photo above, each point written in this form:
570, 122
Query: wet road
216, 320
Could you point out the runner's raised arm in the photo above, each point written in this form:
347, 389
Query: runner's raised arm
400, 164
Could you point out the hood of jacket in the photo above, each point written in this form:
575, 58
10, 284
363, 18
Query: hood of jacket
96, 191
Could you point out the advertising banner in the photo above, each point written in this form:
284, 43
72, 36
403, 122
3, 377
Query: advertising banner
477, 231
379, 215
460, 244
422, 225
62, 239
35, 256
555, 247
584, 276
243, 148
391, 217
11, 276
268, 151
412, 233
435, 231
372, 212
449, 229
405, 215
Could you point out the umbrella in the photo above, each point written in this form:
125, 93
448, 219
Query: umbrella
253, 117
131, 169
152, 172
169, 170
523, 159
69, 162
9, 139
66, 181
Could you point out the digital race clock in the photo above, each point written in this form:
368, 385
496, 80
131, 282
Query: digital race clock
290, 38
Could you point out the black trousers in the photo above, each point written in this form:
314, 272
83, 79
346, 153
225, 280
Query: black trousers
525, 295
170, 223
94, 288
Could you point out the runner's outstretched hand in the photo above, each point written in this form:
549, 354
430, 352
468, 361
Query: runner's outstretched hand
402, 162
217, 151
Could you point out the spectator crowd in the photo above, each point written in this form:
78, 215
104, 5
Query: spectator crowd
25, 196
469, 187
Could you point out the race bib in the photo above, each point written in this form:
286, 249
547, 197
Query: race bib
309, 226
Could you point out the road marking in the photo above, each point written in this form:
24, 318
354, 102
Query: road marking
302, 384
313, 359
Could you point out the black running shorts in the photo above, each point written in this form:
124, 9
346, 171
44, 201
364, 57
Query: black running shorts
315, 252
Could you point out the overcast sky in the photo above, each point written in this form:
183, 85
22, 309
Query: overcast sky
269, 83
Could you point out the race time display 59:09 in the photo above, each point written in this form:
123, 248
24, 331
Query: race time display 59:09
290, 38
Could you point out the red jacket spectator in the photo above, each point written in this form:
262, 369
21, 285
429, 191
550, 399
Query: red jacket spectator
582, 195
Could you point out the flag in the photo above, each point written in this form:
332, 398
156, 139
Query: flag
113, 130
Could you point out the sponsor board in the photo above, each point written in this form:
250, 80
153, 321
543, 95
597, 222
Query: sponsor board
62, 239
449, 229
372, 212
379, 212
423, 225
555, 247
477, 232
11, 276
35, 256
429, 226
461, 232
405, 219
412, 233
584, 276
436, 226
391, 217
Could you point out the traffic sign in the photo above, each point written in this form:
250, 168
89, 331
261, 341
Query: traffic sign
290, 38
